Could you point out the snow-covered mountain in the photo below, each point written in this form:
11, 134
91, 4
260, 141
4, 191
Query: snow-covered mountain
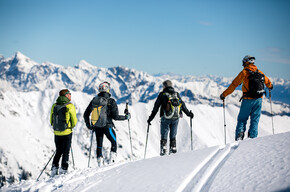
28, 89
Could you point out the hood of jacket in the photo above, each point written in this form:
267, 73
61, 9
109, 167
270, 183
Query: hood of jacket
104, 94
169, 90
61, 100
251, 67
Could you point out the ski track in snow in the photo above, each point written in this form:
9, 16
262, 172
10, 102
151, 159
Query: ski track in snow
202, 177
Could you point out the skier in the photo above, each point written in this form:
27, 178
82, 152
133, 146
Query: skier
253, 88
103, 124
63, 119
171, 106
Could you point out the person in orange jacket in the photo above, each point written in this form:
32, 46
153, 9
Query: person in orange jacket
253, 89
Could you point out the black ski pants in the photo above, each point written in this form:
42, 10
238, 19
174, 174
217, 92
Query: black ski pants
63, 144
110, 134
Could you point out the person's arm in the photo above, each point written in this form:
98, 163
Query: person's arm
183, 106
87, 115
156, 107
268, 82
236, 82
115, 112
51, 115
73, 115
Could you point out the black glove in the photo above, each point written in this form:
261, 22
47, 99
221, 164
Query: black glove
222, 97
271, 87
191, 115
89, 127
149, 121
126, 111
128, 116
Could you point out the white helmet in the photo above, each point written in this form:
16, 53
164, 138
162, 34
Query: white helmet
248, 59
104, 87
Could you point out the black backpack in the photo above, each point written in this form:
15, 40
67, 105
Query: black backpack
59, 122
173, 106
256, 84
99, 111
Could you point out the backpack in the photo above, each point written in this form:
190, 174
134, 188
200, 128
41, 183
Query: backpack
173, 105
59, 122
99, 111
256, 84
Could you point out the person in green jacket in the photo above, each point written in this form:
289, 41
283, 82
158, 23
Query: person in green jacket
63, 118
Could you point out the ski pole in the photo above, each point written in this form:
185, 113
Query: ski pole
72, 155
45, 165
90, 148
271, 111
146, 140
127, 112
191, 133
225, 122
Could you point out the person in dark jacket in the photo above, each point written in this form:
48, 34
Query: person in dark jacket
169, 122
112, 113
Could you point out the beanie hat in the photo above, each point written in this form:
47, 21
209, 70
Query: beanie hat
63, 92
167, 83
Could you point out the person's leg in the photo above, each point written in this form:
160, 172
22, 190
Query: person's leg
242, 118
164, 129
58, 153
66, 148
255, 117
111, 135
99, 137
56, 158
173, 133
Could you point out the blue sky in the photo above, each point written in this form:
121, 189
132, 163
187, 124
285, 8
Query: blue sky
189, 37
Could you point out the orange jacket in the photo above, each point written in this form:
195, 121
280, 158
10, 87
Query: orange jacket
243, 78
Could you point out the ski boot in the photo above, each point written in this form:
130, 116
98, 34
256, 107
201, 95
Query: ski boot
113, 157
172, 148
54, 171
62, 171
240, 136
100, 161
163, 147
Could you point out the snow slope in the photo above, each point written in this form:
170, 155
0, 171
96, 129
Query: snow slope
261, 164
28, 90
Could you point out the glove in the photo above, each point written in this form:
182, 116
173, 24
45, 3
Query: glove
126, 111
271, 87
222, 97
128, 116
89, 127
150, 119
191, 115
149, 122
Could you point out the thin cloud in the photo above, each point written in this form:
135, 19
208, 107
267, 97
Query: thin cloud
275, 55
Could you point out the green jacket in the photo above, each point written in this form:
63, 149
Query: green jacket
70, 116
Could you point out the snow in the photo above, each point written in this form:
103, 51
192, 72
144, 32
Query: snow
26, 139
261, 164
